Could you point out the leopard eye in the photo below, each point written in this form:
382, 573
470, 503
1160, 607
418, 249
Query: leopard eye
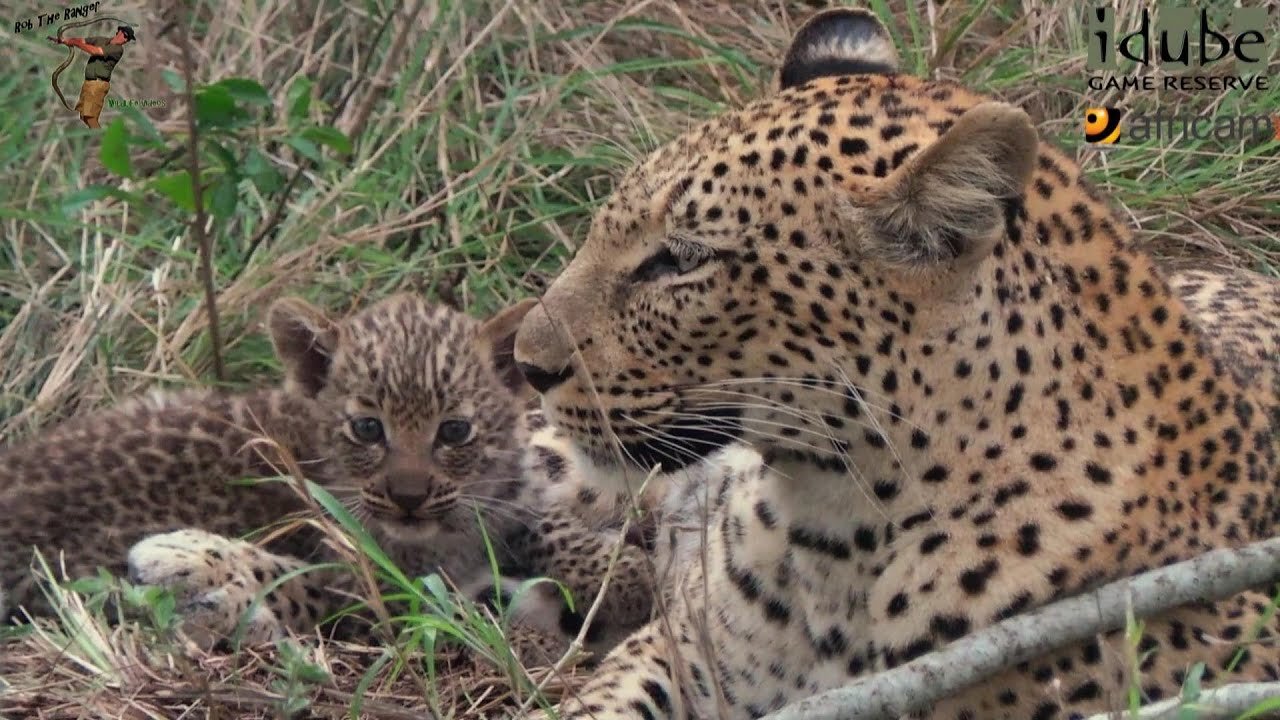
689, 255
453, 433
367, 430
678, 257
658, 265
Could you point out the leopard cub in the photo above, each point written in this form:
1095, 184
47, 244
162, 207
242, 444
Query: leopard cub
412, 415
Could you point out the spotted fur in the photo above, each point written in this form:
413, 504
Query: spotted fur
411, 414
972, 395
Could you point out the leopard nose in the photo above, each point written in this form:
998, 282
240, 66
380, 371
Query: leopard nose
407, 501
540, 379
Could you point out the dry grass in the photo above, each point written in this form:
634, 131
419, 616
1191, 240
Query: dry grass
484, 133
45, 680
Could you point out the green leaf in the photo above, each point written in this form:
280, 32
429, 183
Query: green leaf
225, 156
149, 597
225, 197
313, 674
215, 106
92, 585
114, 151
245, 90
177, 187
1261, 709
163, 605
1191, 693
173, 80
76, 201
331, 136
298, 98
435, 585
264, 174
305, 147
366, 681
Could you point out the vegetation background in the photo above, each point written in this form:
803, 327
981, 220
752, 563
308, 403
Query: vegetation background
352, 148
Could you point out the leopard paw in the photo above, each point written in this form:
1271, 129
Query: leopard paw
535, 615
213, 580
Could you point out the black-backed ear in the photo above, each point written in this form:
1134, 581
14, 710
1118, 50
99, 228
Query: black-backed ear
945, 203
304, 339
842, 41
497, 340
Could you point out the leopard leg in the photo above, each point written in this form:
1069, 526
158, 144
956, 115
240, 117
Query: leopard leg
225, 586
563, 549
633, 682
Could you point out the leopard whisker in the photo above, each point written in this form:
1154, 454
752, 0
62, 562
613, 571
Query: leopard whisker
621, 448
824, 386
835, 447
740, 393
818, 422
852, 391
521, 515
664, 440
495, 502
857, 396
722, 426
806, 417
487, 481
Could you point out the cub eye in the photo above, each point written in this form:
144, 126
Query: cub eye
367, 430
453, 432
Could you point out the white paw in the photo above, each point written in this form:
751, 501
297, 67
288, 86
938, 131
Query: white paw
537, 608
212, 579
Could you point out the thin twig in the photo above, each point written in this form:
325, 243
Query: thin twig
925, 680
197, 196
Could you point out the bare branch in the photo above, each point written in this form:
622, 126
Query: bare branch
197, 195
1213, 576
1228, 701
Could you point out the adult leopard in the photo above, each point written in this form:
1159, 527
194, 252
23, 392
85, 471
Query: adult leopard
973, 395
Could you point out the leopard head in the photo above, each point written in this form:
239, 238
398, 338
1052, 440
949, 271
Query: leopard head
758, 277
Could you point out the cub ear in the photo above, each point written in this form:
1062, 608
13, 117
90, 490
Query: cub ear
497, 340
945, 203
304, 339
841, 41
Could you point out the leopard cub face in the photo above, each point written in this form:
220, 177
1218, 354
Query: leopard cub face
421, 411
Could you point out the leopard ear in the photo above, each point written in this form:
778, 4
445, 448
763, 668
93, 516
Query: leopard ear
304, 339
840, 41
946, 203
497, 339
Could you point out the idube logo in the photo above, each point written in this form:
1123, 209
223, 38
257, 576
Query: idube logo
1184, 43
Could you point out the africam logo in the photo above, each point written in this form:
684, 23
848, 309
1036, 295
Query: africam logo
1102, 127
